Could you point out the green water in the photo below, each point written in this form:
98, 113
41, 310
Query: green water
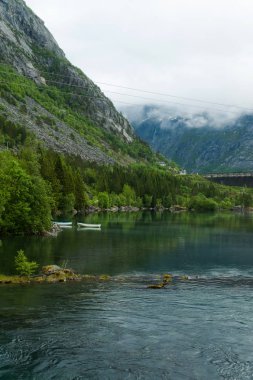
197, 329
149, 242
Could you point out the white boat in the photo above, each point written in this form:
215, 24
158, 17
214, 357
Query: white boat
88, 229
85, 225
63, 224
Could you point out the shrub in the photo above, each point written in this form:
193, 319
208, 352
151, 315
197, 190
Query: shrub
202, 203
23, 266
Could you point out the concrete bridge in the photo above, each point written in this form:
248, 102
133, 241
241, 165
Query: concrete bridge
231, 179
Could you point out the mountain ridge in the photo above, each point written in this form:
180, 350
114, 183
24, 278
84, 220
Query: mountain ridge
29, 55
198, 142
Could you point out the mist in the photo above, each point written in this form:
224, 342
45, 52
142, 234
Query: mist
169, 117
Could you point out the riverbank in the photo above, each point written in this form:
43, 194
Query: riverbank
51, 274
54, 278
172, 209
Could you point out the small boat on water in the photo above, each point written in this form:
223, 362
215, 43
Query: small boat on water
85, 225
88, 229
63, 224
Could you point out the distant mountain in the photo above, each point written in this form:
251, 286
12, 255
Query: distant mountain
198, 142
41, 91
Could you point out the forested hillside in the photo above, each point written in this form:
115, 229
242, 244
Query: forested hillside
36, 183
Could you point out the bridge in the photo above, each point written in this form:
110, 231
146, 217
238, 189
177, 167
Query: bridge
231, 179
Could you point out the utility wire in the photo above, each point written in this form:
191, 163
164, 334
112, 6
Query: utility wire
121, 94
133, 96
175, 96
141, 90
46, 89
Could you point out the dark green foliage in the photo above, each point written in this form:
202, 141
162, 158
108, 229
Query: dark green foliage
25, 202
201, 203
14, 134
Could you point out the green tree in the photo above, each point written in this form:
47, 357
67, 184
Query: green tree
103, 200
129, 194
26, 203
23, 266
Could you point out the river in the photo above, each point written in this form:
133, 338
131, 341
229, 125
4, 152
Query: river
201, 328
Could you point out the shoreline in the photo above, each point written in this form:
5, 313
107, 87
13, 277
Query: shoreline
52, 274
176, 209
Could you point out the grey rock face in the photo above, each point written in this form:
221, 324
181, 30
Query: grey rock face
20, 29
57, 135
27, 45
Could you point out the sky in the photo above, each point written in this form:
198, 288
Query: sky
199, 49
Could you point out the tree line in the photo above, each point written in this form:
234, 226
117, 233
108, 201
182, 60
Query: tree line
36, 184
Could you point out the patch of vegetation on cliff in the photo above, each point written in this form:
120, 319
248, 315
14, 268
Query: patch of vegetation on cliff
66, 105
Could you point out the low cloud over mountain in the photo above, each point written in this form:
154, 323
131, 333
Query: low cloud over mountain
199, 141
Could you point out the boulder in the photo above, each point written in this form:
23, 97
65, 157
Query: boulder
178, 208
51, 269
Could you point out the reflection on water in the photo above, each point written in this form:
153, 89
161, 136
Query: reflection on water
201, 328
143, 242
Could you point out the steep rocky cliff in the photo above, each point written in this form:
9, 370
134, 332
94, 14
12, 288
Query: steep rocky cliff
30, 50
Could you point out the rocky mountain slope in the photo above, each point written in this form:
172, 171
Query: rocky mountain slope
199, 142
41, 90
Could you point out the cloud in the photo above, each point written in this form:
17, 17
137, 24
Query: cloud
172, 117
198, 49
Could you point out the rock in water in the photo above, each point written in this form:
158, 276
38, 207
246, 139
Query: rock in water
51, 269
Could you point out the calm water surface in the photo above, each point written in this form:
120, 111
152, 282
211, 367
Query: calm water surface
197, 329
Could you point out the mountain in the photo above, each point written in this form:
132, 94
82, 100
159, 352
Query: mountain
199, 142
44, 95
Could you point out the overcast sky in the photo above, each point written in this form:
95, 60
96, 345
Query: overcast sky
190, 48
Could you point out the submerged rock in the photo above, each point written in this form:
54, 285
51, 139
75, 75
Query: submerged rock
54, 231
167, 277
156, 286
104, 277
184, 277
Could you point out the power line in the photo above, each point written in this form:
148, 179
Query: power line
46, 89
121, 94
141, 97
130, 95
144, 91
175, 96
